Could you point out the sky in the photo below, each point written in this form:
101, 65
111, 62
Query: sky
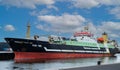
59, 17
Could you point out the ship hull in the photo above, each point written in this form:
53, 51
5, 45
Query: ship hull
31, 57
50, 55
25, 49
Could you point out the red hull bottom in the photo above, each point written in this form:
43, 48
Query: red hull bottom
46, 55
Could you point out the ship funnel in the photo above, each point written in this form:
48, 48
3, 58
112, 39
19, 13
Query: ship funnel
105, 37
28, 31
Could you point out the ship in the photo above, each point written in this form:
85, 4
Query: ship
82, 44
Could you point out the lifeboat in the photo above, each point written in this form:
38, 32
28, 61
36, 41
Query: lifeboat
101, 40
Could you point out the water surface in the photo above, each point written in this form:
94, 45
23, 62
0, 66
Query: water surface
57, 64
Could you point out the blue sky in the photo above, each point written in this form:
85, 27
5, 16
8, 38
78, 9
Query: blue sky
62, 17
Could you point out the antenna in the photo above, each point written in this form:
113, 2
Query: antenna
86, 28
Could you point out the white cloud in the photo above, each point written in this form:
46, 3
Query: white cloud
52, 7
115, 11
76, 3
42, 12
85, 3
116, 6
109, 2
63, 23
112, 28
88, 4
26, 3
115, 35
72, 23
39, 26
9, 28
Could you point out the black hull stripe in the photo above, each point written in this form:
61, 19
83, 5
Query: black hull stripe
24, 45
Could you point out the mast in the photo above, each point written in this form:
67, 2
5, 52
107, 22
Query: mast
86, 28
28, 30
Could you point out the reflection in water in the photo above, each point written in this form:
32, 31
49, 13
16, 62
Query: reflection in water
58, 64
